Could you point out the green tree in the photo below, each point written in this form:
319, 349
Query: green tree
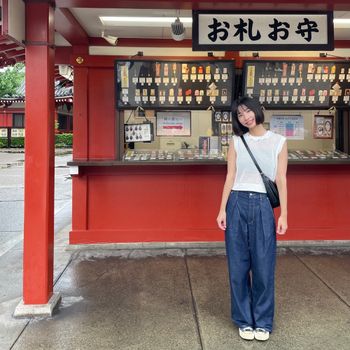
11, 79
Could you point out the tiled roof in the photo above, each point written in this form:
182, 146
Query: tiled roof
63, 93
12, 52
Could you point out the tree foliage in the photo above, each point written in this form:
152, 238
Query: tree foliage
11, 79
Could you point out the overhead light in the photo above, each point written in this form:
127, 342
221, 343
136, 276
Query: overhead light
341, 20
142, 21
178, 30
113, 40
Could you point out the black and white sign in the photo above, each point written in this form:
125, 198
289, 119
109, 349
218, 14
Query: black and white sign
222, 30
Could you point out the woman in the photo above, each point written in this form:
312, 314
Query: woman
248, 219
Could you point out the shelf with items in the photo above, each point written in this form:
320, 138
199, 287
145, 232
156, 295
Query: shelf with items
172, 156
317, 155
298, 84
174, 84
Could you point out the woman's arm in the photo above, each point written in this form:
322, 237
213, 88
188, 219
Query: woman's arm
281, 181
230, 177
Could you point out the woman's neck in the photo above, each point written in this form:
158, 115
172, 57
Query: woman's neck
258, 130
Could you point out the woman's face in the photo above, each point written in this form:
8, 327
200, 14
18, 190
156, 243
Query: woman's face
246, 117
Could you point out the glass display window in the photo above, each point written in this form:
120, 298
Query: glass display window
178, 135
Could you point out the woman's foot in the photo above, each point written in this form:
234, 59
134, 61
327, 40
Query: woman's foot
246, 333
261, 334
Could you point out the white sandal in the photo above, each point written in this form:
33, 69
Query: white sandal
261, 334
246, 333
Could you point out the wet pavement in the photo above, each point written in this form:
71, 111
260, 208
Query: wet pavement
179, 299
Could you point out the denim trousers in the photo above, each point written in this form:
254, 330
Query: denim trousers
250, 239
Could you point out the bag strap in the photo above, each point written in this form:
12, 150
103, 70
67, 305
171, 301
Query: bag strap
251, 155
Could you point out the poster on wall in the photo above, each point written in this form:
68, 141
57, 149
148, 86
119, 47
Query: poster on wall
174, 123
323, 126
290, 126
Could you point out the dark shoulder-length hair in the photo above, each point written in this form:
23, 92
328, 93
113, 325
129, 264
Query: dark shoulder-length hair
254, 106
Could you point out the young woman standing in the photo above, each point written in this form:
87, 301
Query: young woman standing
248, 219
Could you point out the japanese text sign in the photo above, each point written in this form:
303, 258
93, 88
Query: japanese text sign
214, 30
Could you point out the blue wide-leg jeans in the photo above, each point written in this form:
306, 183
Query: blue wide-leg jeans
251, 254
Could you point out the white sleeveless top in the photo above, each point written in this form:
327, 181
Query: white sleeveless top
265, 149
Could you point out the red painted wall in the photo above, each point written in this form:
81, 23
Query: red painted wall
149, 203
101, 132
5, 120
6, 116
180, 203
94, 124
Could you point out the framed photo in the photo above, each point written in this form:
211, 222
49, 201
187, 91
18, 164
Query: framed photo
323, 126
174, 123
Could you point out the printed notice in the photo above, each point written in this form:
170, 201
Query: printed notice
292, 127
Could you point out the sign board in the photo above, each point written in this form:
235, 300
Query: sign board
273, 31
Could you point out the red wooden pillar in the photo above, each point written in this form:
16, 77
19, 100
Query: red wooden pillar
39, 154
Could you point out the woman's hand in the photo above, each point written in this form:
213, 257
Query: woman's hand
281, 225
221, 220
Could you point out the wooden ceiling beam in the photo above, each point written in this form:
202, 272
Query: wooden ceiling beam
142, 42
4, 47
15, 53
339, 5
67, 25
137, 42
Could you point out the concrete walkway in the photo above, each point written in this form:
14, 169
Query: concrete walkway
179, 299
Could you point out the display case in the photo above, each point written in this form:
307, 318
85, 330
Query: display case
203, 136
198, 128
174, 84
178, 135
288, 84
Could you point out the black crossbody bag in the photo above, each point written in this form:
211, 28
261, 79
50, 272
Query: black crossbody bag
271, 187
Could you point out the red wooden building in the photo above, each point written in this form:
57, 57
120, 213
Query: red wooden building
116, 201
12, 111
